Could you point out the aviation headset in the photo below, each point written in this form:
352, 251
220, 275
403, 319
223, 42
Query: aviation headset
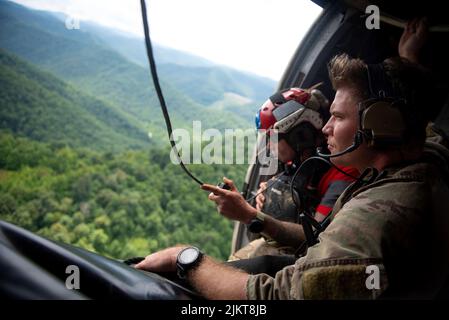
381, 117
382, 120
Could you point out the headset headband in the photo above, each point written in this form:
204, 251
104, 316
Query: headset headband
379, 84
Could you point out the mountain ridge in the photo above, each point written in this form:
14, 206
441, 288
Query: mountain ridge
38, 105
102, 72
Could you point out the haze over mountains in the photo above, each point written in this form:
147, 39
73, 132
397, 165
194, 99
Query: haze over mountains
76, 161
92, 87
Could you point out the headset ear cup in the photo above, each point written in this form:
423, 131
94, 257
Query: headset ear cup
382, 122
358, 139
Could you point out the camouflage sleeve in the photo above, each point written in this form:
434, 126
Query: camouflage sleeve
264, 287
326, 279
348, 261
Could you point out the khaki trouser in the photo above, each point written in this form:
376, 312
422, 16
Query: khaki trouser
261, 247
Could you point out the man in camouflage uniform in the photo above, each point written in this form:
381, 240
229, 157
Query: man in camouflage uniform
388, 235
398, 224
392, 223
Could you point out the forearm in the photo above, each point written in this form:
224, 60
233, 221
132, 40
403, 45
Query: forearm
286, 233
216, 281
410, 56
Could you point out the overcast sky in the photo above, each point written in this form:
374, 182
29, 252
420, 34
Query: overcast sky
258, 36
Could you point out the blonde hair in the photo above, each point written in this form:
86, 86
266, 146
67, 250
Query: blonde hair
347, 72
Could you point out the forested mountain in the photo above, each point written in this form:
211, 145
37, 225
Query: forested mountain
120, 205
37, 105
196, 77
207, 85
76, 162
84, 60
133, 48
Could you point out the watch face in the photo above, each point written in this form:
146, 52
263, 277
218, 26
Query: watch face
188, 255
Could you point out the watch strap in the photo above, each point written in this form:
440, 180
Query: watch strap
257, 223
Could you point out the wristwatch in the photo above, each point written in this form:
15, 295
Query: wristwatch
257, 224
187, 259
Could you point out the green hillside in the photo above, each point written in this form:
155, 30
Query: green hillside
37, 105
76, 162
206, 85
119, 205
85, 61
195, 77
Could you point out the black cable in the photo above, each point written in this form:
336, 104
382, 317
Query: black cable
292, 189
321, 159
326, 220
159, 90
340, 170
323, 224
333, 165
269, 186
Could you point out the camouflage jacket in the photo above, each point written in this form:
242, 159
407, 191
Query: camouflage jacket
389, 238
